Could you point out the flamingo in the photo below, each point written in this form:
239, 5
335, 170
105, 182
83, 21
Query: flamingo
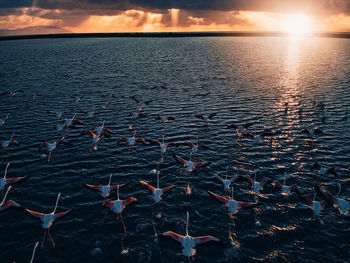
52, 146
232, 205
102, 131
165, 119
257, 186
195, 147
285, 189
48, 219
189, 165
312, 133
3, 121
105, 190
240, 128
117, 206
5, 144
140, 103
188, 242
91, 114
6, 204
11, 93
57, 113
342, 204
68, 123
159, 87
132, 140
76, 97
95, 139
157, 192
35, 95
137, 115
163, 146
226, 182
324, 170
258, 137
5, 181
206, 118
315, 206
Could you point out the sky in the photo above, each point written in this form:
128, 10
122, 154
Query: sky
92, 16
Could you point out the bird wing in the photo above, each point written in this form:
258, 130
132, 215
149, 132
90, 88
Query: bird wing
204, 239
174, 236
94, 187
179, 159
212, 115
58, 215
200, 116
247, 204
150, 187
14, 180
307, 198
265, 181
168, 188
201, 164
129, 201
141, 140
218, 197
36, 214
219, 177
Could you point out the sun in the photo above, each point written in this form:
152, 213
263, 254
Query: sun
298, 24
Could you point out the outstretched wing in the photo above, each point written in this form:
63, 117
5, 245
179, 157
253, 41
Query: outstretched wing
308, 200
219, 177
204, 239
247, 204
201, 164
150, 187
156, 141
142, 140
200, 116
174, 236
94, 187
168, 188
179, 159
36, 214
265, 181
220, 198
129, 200
58, 215
212, 115
14, 180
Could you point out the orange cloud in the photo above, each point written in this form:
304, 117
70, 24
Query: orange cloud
170, 20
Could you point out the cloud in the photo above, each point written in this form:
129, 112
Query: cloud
161, 6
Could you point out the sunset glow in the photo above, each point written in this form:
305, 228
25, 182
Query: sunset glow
298, 24
92, 19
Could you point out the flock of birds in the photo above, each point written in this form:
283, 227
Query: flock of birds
118, 205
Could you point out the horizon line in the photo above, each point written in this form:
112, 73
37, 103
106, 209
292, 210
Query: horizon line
326, 34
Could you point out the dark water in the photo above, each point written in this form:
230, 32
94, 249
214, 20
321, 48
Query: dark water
249, 80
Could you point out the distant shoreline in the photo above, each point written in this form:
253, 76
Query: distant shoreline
168, 35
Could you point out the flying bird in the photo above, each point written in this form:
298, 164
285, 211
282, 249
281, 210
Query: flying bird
240, 129
324, 170
189, 165
188, 242
3, 121
312, 133
52, 146
7, 143
206, 118
257, 186
232, 205
157, 192
105, 190
5, 181
48, 219
340, 203
117, 206
11, 93
91, 114
67, 123
6, 204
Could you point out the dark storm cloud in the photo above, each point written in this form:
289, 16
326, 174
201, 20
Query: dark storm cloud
335, 6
